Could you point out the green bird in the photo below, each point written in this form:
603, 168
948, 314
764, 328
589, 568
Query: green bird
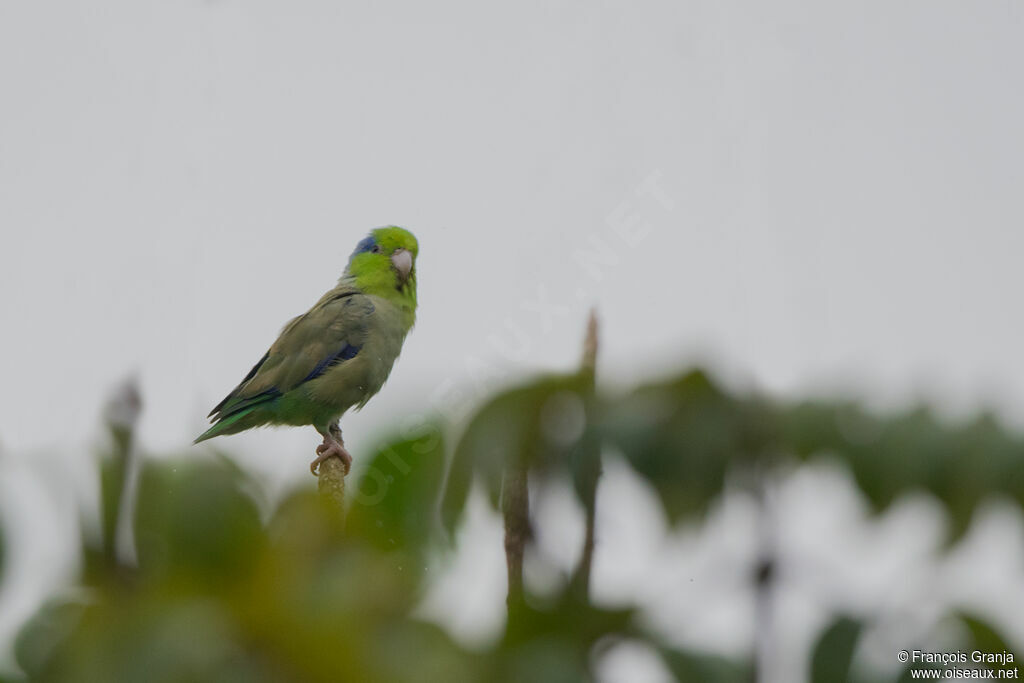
336, 355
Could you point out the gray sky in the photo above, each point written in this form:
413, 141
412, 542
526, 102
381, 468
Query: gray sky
838, 197
181, 178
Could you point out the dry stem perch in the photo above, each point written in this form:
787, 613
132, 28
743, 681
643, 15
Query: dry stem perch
331, 481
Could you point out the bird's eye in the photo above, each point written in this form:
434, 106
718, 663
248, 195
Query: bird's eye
376, 249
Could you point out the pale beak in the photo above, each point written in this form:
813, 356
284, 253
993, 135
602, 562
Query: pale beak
402, 261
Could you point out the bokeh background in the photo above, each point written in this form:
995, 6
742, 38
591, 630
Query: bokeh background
810, 199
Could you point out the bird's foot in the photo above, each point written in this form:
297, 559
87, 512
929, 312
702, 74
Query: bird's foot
331, 448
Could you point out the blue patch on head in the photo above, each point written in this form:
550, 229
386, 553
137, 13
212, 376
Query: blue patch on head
366, 244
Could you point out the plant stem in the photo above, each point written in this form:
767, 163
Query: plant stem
331, 483
119, 474
589, 361
764, 581
515, 506
590, 468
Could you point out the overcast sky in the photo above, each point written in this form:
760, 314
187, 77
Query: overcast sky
810, 194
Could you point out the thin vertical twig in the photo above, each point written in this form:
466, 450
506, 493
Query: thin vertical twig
119, 481
764, 580
591, 466
589, 360
515, 495
515, 507
582, 576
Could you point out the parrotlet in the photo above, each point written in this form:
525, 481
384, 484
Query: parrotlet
336, 355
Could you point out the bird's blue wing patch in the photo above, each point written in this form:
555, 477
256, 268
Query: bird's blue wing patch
347, 352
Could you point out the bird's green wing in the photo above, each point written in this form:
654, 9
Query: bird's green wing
331, 332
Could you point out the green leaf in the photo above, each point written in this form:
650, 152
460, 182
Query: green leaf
554, 642
542, 425
684, 436
394, 504
986, 639
982, 461
892, 456
39, 639
694, 667
833, 654
193, 517
425, 652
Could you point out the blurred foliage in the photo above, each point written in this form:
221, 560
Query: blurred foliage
983, 637
396, 502
223, 593
832, 657
695, 666
685, 436
218, 595
540, 426
959, 464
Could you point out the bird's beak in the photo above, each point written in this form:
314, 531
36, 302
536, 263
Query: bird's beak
402, 261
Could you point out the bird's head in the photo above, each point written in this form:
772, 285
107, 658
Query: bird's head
385, 258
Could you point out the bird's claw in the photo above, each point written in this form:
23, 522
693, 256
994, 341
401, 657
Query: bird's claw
331, 450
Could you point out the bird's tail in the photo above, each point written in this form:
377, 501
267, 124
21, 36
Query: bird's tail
231, 424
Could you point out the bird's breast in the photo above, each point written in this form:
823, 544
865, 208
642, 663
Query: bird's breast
354, 381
